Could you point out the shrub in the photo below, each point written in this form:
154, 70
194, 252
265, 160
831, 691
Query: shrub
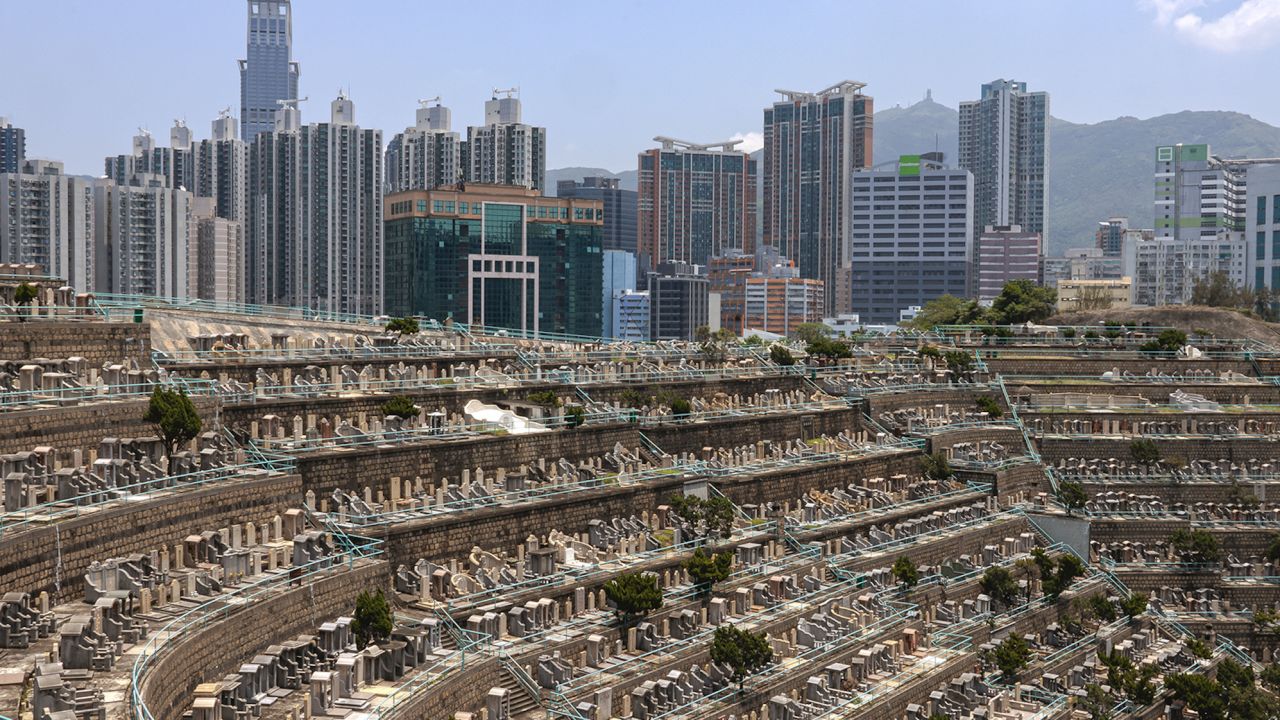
998, 583
371, 621
174, 416
1011, 656
742, 650
906, 572
633, 595
781, 356
680, 407
706, 569
1072, 495
574, 416
403, 325
400, 406
545, 398
1145, 451
988, 405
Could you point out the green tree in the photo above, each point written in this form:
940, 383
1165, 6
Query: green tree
988, 405
742, 650
1134, 605
781, 356
1102, 608
680, 408
1199, 648
545, 398
959, 362
24, 295
1144, 451
1217, 290
634, 398
1056, 575
936, 467
906, 572
706, 569
830, 348
1022, 301
633, 595
1196, 545
1264, 304
810, 332
1273, 548
1096, 702
174, 416
574, 416
1203, 694
712, 517
403, 326
1011, 656
371, 621
713, 344
1167, 341
948, 310
400, 406
1072, 496
1271, 676
999, 585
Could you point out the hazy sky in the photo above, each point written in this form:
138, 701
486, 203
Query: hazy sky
606, 76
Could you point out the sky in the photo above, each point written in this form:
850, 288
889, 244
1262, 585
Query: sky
606, 76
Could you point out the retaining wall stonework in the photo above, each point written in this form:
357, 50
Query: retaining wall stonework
82, 427
97, 342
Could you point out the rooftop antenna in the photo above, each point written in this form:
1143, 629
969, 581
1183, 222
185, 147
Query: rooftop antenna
224, 113
505, 91
424, 103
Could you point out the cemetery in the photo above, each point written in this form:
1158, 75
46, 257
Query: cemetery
228, 513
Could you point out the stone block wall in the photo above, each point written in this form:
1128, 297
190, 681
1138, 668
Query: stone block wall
97, 342
1233, 449
1007, 362
55, 557
209, 651
1157, 393
82, 427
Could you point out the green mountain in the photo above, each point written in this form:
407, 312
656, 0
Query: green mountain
1095, 171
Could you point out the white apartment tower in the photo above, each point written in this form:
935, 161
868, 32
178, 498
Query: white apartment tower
1004, 142
506, 151
427, 155
46, 219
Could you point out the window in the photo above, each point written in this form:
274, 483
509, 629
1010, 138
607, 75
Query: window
1262, 209
422, 206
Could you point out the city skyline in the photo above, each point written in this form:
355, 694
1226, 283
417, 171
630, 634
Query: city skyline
569, 89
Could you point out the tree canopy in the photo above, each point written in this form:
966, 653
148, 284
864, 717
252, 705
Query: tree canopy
706, 569
712, 517
1072, 496
1023, 301
403, 325
633, 595
742, 650
371, 621
401, 407
174, 416
906, 572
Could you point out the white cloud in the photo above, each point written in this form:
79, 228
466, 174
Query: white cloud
751, 141
1251, 24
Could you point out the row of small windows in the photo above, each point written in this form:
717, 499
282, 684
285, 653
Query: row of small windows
448, 207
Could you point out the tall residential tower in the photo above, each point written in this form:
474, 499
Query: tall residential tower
506, 151
268, 73
813, 143
1004, 142
427, 155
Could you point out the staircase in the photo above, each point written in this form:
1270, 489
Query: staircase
523, 705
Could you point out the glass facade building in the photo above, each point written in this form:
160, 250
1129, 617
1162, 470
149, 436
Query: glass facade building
495, 255
268, 72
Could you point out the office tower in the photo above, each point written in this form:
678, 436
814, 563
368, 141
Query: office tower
46, 219
1078, 294
222, 169
495, 255
679, 301
315, 213
1263, 226
142, 233
619, 208
694, 202
1004, 142
912, 235
619, 277
218, 254
813, 142
13, 147
268, 73
427, 155
630, 319
1001, 255
505, 151
174, 166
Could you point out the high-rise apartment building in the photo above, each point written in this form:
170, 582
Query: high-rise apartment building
427, 155
1001, 255
679, 301
222, 170
505, 150
1114, 233
268, 73
912, 235
13, 147
1165, 271
143, 234
315, 214
619, 277
1004, 142
174, 166
217, 249
727, 275
495, 255
778, 302
813, 143
46, 219
694, 202
619, 208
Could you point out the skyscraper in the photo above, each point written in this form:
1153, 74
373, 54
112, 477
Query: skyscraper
506, 151
813, 142
143, 234
222, 169
13, 147
619, 208
1004, 142
912, 237
427, 155
694, 202
172, 166
315, 214
268, 73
